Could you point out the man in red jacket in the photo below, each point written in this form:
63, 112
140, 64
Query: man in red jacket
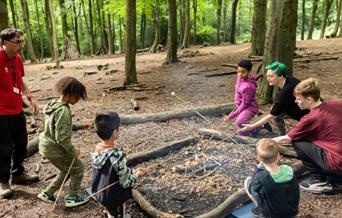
317, 138
13, 135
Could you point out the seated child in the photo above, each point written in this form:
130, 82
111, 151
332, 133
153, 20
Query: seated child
245, 96
273, 189
55, 142
109, 165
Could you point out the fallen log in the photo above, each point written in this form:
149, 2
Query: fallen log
307, 60
135, 104
220, 74
284, 150
148, 208
212, 110
140, 157
226, 208
229, 65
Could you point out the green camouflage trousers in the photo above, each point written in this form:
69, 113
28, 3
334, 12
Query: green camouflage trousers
75, 175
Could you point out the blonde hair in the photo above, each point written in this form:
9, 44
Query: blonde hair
267, 150
308, 88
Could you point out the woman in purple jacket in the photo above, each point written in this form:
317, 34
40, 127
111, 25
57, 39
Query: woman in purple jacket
245, 96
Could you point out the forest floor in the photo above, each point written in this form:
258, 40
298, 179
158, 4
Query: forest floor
186, 193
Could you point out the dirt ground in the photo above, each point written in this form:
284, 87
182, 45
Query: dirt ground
168, 188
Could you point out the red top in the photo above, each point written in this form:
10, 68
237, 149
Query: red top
322, 127
11, 73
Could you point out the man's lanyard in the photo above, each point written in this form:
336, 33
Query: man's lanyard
14, 73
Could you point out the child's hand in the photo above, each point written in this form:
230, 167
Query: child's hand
139, 172
226, 118
77, 152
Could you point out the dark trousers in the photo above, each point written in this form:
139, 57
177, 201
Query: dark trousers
315, 160
117, 212
13, 143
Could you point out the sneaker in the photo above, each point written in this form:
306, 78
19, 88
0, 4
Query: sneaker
256, 212
5, 191
75, 201
316, 185
24, 179
44, 196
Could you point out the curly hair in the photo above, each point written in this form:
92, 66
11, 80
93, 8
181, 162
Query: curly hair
70, 86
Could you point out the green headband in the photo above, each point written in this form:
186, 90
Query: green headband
279, 68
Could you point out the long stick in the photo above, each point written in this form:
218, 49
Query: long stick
101, 190
65, 179
174, 94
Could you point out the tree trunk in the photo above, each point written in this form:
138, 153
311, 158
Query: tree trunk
340, 32
338, 18
326, 9
29, 39
172, 33
13, 14
225, 27
218, 21
100, 24
142, 30
156, 21
130, 55
3, 15
114, 35
64, 18
120, 36
48, 27
91, 28
233, 24
303, 20
312, 19
104, 28
194, 6
76, 27
280, 41
181, 19
186, 36
110, 36
54, 32
41, 49
259, 27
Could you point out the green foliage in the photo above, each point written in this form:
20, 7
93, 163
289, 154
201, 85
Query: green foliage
206, 20
206, 34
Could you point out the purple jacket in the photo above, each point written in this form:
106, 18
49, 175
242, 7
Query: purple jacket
245, 96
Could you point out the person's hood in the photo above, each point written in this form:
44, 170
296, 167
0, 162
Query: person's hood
250, 79
98, 159
53, 106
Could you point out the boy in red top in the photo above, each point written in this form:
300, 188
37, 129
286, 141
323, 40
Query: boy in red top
317, 137
13, 135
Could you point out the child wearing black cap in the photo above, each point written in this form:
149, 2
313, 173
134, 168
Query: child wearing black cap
109, 165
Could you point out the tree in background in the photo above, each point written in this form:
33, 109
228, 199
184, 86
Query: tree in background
233, 24
280, 42
326, 9
172, 34
312, 18
130, 56
218, 17
259, 27
3, 15
29, 44
338, 18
